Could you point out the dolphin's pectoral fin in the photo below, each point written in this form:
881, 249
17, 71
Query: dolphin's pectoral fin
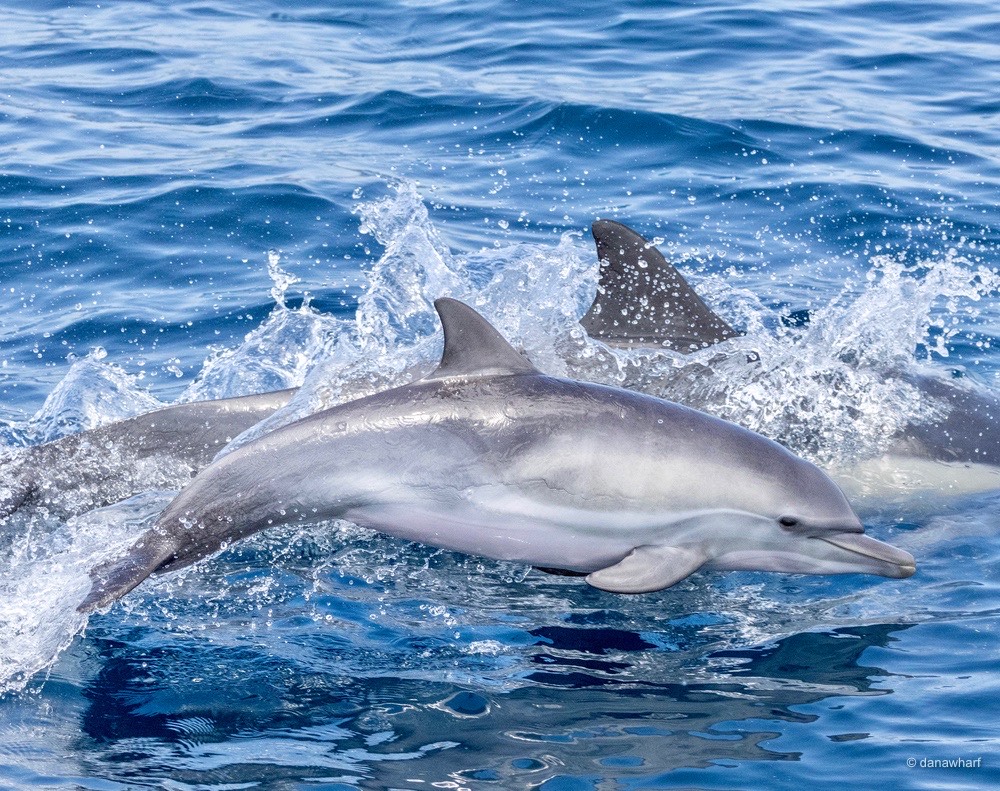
647, 569
115, 578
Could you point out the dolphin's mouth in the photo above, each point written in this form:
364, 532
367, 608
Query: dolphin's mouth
888, 560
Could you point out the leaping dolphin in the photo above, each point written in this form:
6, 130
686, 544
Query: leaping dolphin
488, 456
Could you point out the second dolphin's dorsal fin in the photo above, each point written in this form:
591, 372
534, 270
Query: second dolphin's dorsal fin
472, 346
642, 300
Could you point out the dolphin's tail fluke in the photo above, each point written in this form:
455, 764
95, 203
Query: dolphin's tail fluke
115, 578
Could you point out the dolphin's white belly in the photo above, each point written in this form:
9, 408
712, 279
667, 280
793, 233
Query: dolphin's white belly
519, 539
892, 475
492, 522
507, 523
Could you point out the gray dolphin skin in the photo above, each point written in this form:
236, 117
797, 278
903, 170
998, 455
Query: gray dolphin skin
490, 457
644, 301
160, 449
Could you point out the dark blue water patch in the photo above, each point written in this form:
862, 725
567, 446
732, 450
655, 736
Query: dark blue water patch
269, 213
645, 139
981, 28
467, 704
235, 690
675, 141
174, 236
324, 18
830, 145
251, 10
654, 32
818, 659
967, 101
728, 38
395, 112
158, 200
591, 641
25, 191
899, 13
896, 64
111, 60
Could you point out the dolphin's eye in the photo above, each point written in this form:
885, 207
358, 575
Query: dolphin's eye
788, 521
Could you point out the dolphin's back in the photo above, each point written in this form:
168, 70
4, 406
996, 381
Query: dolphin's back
967, 432
160, 449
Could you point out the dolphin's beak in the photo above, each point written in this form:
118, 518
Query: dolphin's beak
888, 560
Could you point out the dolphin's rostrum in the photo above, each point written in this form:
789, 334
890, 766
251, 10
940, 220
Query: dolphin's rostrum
488, 456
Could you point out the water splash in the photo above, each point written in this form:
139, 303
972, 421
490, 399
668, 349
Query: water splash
93, 393
45, 574
415, 269
821, 388
531, 292
842, 387
281, 279
277, 354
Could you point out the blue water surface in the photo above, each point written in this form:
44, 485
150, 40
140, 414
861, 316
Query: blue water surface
211, 198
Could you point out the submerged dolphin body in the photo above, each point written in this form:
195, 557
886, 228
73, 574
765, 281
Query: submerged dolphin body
643, 301
160, 449
488, 456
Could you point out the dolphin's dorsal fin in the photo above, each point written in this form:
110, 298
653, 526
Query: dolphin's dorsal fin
472, 346
644, 301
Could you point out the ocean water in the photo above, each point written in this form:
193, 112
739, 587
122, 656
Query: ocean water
209, 198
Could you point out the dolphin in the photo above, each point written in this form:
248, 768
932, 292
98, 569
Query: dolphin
643, 301
163, 448
488, 456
